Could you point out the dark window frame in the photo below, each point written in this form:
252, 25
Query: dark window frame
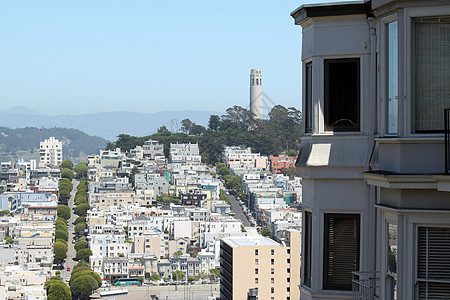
328, 100
307, 249
328, 283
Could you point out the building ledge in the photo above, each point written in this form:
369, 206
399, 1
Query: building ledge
393, 180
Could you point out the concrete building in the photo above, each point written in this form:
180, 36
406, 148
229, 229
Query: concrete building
260, 263
372, 158
152, 148
50, 152
278, 163
256, 93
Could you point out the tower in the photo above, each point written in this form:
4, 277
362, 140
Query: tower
256, 93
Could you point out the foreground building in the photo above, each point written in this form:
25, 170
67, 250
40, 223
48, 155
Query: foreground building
376, 83
259, 265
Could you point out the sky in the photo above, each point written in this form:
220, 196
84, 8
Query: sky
78, 57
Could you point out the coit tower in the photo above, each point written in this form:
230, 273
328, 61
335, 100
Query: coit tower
256, 93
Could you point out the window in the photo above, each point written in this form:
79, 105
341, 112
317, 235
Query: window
288, 260
308, 97
433, 263
288, 289
392, 78
272, 290
307, 249
342, 93
288, 270
272, 271
256, 271
431, 73
391, 275
272, 261
272, 252
256, 251
256, 280
341, 250
256, 261
272, 280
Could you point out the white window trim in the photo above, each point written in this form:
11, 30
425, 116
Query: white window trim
319, 104
408, 85
383, 76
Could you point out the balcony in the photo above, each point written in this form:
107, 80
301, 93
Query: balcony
365, 285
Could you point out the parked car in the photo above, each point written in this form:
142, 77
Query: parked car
68, 269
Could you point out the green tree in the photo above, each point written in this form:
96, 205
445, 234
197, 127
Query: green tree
291, 172
155, 277
80, 227
66, 164
81, 200
59, 291
63, 211
82, 286
81, 170
215, 273
67, 173
163, 129
82, 209
60, 251
82, 271
64, 193
266, 232
141, 279
62, 234
214, 122
79, 220
186, 126
132, 174
191, 278
59, 226
178, 275
83, 254
61, 241
80, 245
178, 253
61, 221
223, 171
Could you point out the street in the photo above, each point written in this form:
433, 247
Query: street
236, 208
71, 250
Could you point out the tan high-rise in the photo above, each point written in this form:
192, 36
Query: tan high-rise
260, 263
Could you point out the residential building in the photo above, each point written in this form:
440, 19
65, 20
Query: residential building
152, 148
278, 163
372, 158
50, 152
256, 262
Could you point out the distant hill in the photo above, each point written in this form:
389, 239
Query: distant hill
23, 143
107, 125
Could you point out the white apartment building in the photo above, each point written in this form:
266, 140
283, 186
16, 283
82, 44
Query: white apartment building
50, 152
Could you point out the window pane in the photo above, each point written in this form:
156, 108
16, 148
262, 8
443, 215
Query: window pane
307, 249
341, 250
432, 73
391, 276
342, 89
392, 78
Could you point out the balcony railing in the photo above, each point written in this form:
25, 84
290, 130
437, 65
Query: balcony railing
447, 139
365, 285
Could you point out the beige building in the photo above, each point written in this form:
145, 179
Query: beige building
260, 263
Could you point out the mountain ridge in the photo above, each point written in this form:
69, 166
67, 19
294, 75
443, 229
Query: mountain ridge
105, 124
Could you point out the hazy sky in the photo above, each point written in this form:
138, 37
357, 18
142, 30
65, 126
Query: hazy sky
80, 57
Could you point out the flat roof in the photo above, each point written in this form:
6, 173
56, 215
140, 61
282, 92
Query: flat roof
330, 9
249, 241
